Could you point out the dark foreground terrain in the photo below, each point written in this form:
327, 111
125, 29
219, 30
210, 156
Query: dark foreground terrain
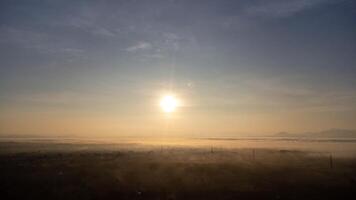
174, 173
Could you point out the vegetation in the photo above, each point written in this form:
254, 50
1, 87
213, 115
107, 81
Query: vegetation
175, 173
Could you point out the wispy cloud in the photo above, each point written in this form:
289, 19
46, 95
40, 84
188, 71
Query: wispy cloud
172, 40
139, 46
100, 31
282, 8
40, 42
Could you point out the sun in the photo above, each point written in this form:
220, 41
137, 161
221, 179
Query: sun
168, 103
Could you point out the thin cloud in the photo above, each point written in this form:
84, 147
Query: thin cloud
100, 31
139, 46
282, 8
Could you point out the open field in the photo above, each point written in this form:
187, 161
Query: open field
194, 169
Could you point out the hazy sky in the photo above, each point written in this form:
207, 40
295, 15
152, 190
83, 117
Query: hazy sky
249, 66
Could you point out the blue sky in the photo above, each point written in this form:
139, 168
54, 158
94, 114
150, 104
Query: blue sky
238, 66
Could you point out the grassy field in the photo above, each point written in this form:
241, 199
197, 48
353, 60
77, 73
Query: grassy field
50, 170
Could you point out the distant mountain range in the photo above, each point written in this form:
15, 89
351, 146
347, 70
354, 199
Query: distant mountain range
332, 133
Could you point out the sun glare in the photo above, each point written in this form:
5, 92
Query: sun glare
169, 103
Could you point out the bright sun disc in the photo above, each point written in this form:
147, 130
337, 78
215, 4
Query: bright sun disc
168, 103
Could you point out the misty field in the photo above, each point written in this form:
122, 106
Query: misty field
90, 170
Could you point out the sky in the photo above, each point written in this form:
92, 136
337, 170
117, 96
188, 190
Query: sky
100, 68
